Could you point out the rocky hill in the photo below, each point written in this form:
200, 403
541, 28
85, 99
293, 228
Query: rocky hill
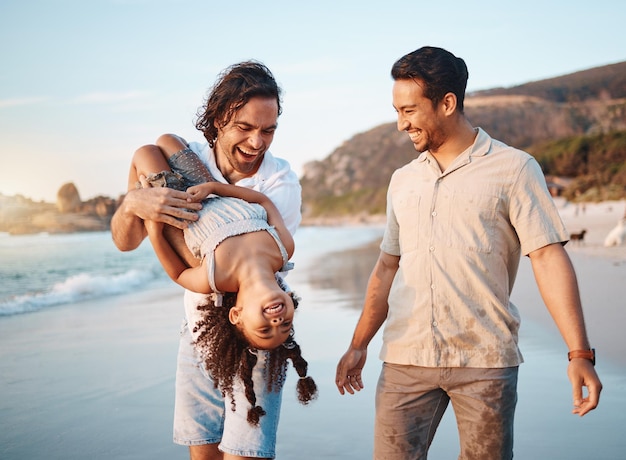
574, 113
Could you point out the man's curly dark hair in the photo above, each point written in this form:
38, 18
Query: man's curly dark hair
228, 355
234, 87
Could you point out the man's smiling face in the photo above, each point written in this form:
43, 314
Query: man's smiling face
242, 142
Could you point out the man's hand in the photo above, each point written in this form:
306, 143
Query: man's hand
348, 377
581, 374
161, 204
148, 203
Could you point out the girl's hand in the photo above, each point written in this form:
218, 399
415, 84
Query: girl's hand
200, 192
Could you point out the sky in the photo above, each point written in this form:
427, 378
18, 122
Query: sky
83, 84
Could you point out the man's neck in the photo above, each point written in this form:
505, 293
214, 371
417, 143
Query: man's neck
462, 138
229, 173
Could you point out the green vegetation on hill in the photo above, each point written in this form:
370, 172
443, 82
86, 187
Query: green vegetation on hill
597, 163
364, 201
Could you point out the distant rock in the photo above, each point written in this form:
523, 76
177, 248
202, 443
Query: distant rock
68, 198
20, 215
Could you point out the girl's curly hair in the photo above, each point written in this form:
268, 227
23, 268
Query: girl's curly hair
227, 355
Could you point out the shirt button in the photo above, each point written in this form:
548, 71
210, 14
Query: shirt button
432, 286
434, 323
434, 213
431, 249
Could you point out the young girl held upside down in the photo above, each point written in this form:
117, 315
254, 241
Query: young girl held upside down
241, 244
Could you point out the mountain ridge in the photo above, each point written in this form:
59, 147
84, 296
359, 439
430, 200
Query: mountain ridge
535, 117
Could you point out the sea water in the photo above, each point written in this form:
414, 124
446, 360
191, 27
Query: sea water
43, 271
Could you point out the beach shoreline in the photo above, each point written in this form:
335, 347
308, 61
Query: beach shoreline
96, 378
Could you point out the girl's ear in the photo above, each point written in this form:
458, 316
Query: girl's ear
234, 315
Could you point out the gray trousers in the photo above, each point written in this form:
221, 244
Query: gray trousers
411, 400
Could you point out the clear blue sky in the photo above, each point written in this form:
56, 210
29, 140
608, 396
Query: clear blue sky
83, 83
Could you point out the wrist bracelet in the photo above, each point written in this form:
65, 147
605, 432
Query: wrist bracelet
585, 354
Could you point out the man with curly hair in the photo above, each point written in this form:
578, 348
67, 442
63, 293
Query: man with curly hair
238, 120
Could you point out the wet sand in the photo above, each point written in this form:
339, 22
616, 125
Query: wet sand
96, 379
341, 427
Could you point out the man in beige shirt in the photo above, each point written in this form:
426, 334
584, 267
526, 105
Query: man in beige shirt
458, 219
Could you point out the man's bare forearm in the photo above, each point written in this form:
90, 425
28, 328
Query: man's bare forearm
127, 229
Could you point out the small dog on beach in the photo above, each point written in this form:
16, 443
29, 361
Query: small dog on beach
578, 237
617, 236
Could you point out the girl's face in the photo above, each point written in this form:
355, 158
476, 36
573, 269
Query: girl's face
264, 320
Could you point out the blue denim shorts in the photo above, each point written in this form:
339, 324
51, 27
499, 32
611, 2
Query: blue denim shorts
203, 416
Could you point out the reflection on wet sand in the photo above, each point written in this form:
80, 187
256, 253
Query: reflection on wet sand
346, 272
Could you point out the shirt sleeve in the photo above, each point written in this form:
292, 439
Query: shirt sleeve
287, 197
533, 212
391, 238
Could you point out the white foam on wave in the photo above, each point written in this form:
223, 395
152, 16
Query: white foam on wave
77, 288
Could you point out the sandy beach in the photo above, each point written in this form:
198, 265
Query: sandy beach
97, 381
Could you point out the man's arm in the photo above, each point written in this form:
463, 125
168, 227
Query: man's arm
558, 286
350, 367
158, 204
127, 229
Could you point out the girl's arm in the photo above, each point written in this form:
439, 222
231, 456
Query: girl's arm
201, 191
195, 279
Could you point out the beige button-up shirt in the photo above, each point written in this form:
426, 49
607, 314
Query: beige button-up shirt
459, 235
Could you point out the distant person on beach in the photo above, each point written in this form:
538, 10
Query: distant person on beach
458, 218
238, 120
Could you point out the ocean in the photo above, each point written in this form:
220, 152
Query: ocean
44, 271
40, 272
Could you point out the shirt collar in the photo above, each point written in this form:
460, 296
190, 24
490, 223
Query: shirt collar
482, 144
480, 147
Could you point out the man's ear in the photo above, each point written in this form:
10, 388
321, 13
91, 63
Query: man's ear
234, 315
448, 103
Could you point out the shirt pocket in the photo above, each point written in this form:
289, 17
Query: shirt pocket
407, 212
473, 222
